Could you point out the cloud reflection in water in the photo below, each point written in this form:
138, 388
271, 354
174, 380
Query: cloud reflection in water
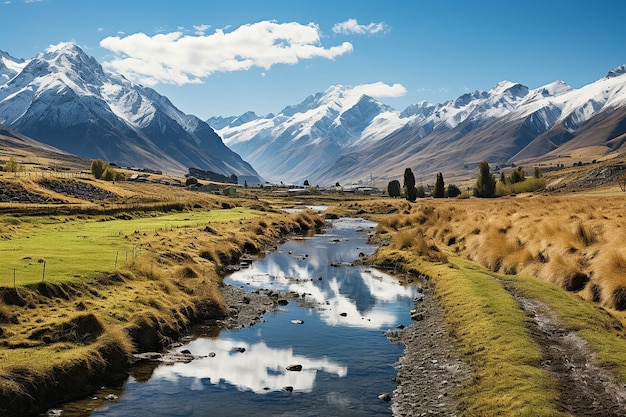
259, 368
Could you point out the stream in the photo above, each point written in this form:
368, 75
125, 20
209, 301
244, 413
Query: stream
323, 355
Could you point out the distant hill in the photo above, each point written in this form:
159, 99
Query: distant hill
13, 144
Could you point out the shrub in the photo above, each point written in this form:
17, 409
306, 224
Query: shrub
393, 188
453, 191
518, 175
98, 168
420, 193
529, 185
12, 166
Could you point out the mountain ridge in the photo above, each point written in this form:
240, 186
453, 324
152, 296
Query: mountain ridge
495, 125
64, 98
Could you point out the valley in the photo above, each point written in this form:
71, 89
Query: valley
492, 269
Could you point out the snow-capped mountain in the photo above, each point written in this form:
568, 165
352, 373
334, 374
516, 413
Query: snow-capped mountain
66, 99
295, 142
335, 136
9, 67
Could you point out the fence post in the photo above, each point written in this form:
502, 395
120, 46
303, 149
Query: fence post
14, 278
43, 274
116, 255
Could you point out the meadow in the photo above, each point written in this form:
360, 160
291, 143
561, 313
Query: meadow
72, 247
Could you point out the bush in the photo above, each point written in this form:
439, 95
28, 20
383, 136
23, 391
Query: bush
393, 188
98, 168
529, 185
518, 175
12, 166
453, 191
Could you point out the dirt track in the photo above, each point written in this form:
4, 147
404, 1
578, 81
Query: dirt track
428, 372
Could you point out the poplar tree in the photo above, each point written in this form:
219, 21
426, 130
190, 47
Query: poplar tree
409, 185
486, 183
440, 187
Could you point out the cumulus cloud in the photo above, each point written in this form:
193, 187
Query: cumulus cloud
380, 90
352, 26
174, 58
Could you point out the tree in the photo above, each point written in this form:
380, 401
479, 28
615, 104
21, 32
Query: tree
98, 166
191, 181
486, 183
537, 172
453, 191
306, 183
12, 166
440, 187
518, 175
393, 188
420, 192
409, 185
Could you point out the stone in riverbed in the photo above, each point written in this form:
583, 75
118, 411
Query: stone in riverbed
294, 368
385, 397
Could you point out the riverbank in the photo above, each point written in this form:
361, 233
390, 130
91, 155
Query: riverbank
429, 372
59, 341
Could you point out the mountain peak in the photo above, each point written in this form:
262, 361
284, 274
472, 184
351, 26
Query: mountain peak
510, 88
616, 72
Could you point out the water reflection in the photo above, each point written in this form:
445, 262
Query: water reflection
248, 366
345, 295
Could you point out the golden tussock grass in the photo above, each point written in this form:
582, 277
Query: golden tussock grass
566, 240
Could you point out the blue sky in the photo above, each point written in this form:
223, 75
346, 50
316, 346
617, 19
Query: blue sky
227, 57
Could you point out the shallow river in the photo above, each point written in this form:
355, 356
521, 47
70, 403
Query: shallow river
336, 335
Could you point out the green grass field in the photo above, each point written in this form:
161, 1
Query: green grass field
56, 248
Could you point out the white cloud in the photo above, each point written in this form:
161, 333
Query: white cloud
59, 45
380, 90
174, 58
352, 26
200, 29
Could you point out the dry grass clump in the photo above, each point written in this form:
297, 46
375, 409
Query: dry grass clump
610, 277
571, 241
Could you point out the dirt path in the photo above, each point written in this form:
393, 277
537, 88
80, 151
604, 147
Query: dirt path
585, 388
